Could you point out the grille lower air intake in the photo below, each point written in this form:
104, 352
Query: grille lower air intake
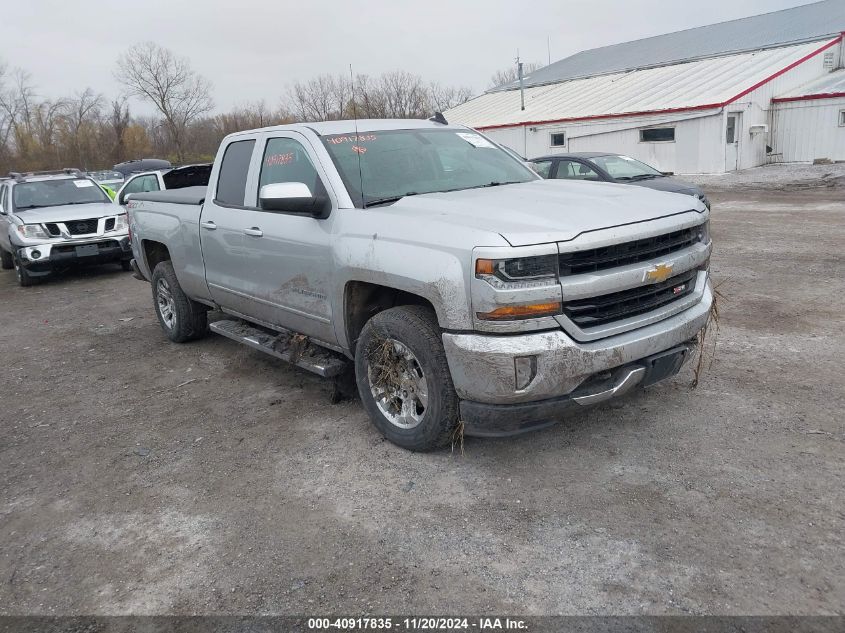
616, 255
595, 311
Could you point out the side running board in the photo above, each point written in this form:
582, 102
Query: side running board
288, 346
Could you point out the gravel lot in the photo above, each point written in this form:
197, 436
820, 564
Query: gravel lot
138, 476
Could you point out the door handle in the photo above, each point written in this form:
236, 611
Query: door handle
208, 225
254, 231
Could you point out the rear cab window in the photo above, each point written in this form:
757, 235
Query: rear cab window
234, 169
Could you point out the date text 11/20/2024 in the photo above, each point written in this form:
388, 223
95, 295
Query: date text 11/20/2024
417, 624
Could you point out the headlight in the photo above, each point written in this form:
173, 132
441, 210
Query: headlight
521, 272
121, 222
704, 233
33, 231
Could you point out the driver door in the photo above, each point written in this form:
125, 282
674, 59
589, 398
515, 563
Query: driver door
287, 256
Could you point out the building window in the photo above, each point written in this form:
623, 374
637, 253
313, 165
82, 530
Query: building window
658, 135
842, 118
558, 139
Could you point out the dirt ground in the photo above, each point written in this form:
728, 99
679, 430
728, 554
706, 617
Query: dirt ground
138, 476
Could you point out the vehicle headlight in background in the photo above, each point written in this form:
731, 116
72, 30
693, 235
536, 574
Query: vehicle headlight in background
121, 222
520, 272
33, 231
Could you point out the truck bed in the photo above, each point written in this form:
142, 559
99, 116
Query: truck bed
187, 195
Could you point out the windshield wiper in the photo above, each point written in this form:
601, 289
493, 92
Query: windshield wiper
388, 200
31, 206
489, 184
646, 177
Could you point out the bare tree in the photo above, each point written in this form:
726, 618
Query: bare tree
117, 123
81, 116
507, 75
323, 98
155, 74
444, 97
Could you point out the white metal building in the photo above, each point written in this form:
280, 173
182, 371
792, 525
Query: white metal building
706, 100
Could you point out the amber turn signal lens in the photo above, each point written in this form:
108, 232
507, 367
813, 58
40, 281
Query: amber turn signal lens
484, 266
532, 311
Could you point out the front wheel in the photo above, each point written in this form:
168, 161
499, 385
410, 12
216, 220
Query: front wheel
24, 278
403, 378
6, 260
181, 318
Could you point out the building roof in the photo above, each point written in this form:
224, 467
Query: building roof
810, 22
828, 87
697, 85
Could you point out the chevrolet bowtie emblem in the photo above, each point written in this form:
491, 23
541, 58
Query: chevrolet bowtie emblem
659, 273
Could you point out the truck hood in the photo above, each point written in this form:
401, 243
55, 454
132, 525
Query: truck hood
543, 211
68, 212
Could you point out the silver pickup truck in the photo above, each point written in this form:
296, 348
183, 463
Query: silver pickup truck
468, 293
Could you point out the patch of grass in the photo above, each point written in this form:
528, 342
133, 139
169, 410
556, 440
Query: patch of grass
458, 437
708, 337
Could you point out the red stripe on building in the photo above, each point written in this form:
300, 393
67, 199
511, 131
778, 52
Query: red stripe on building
708, 106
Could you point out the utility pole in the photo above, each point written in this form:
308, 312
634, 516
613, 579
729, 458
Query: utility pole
521, 83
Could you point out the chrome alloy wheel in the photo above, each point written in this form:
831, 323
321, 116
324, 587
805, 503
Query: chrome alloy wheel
398, 384
166, 305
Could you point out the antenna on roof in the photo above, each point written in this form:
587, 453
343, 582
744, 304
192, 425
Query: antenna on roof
439, 118
356, 148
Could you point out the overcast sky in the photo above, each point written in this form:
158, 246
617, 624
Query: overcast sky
253, 49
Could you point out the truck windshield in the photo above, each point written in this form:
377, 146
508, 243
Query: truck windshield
384, 166
56, 193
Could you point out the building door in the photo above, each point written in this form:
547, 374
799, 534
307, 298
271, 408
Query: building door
732, 133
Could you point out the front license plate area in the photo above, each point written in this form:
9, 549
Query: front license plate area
86, 250
663, 365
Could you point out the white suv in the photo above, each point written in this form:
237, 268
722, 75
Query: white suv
51, 220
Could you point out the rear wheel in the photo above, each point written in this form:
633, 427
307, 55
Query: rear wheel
181, 318
24, 278
403, 378
6, 260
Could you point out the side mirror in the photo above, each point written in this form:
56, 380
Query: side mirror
293, 197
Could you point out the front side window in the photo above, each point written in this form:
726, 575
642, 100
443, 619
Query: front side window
56, 193
658, 135
573, 170
285, 160
542, 167
231, 181
379, 167
625, 168
141, 184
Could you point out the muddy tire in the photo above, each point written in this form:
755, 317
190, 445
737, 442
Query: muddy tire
24, 278
403, 378
181, 318
6, 260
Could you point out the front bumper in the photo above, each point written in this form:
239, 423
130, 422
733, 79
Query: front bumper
484, 375
44, 258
